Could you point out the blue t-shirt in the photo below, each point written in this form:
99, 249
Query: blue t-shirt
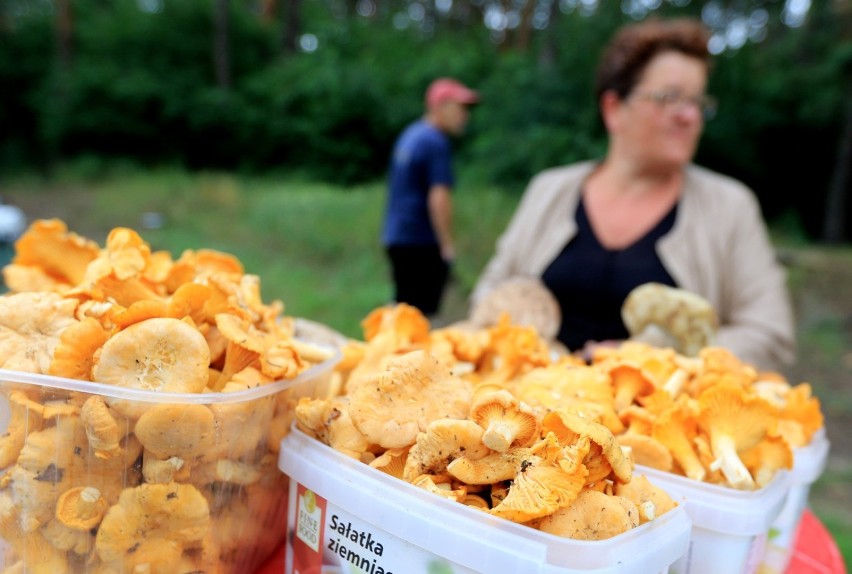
421, 158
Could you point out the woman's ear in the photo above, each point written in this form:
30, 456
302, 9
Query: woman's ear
610, 104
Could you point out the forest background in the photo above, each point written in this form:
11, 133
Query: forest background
263, 127
322, 87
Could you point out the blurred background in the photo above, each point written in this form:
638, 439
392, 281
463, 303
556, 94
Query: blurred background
263, 128
322, 87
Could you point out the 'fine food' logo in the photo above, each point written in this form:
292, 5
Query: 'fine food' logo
309, 520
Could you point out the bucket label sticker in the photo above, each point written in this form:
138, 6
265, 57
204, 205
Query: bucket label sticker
309, 519
329, 540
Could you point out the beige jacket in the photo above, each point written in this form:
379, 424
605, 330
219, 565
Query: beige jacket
719, 248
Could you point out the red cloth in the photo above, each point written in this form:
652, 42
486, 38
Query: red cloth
815, 551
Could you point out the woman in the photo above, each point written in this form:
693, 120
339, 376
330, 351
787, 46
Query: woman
595, 230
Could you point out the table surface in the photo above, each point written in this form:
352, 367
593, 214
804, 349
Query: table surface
815, 551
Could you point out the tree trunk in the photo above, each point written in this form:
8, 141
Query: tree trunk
836, 204
64, 36
222, 43
292, 15
269, 10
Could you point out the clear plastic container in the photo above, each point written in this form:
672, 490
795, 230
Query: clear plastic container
808, 465
729, 526
346, 517
204, 493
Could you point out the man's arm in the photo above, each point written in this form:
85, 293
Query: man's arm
440, 203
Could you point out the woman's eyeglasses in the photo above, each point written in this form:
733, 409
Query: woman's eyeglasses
673, 100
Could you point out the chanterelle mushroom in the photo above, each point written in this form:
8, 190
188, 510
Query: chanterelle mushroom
102, 430
592, 516
565, 423
735, 422
443, 441
676, 428
186, 431
506, 420
687, 318
81, 508
526, 300
651, 500
159, 354
392, 407
152, 512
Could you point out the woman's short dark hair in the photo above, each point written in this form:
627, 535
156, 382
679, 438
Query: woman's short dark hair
628, 53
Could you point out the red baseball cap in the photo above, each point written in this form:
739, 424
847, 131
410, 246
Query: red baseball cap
448, 89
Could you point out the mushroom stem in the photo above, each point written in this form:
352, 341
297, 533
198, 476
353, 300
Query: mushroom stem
87, 504
727, 459
500, 434
674, 384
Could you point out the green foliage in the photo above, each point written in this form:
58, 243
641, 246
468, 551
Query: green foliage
141, 87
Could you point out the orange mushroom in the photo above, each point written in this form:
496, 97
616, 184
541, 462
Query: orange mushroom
506, 421
392, 407
735, 422
592, 516
443, 441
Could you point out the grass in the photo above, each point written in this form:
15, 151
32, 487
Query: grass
316, 248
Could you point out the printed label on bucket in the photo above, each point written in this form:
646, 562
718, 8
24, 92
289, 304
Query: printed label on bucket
328, 540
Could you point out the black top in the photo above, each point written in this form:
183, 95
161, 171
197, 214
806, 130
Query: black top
591, 282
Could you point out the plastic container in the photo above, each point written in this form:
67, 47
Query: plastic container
346, 517
808, 464
729, 527
217, 511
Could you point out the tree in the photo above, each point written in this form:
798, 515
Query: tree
222, 43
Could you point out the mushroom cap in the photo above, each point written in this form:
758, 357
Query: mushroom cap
687, 317
592, 516
73, 356
186, 431
169, 512
803, 407
391, 462
766, 458
725, 409
629, 382
735, 422
539, 490
102, 430
641, 491
578, 388
676, 428
569, 425
506, 421
443, 441
647, 451
31, 325
491, 468
526, 300
48, 245
160, 354
81, 508
392, 407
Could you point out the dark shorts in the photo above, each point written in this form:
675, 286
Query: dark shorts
419, 275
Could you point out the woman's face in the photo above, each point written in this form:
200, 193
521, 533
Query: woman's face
660, 122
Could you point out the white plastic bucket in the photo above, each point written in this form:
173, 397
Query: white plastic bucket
729, 527
808, 464
345, 515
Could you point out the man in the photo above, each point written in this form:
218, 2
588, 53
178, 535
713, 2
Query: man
418, 222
